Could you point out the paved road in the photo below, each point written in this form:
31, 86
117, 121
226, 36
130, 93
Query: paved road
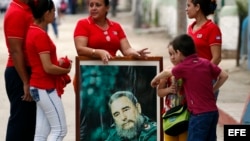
232, 94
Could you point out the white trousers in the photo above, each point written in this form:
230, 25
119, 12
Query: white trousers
50, 118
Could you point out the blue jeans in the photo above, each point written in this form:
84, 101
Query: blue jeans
55, 27
22, 119
202, 127
50, 122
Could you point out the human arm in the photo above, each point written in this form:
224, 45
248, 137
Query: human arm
216, 54
162, 75
223, 76
83, 50
164, 89
17, 55
51, 68
215, 43
127, 50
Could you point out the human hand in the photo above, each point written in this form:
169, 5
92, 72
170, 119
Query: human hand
143, 52
26, 96
162, 75
140, 53
104, 55
171, 89
65, 62
155, 82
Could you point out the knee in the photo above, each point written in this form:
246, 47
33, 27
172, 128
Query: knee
64, 131
59, 132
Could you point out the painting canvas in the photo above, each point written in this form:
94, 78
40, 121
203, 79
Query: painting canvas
96, 82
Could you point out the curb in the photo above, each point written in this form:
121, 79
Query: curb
225, 118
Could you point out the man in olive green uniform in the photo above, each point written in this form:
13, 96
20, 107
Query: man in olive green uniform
129, 123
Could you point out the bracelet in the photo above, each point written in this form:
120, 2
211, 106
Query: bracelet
93, 53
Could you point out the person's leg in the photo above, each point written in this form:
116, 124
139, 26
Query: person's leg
52, 107
113, 7
42, 124
22, 119
202, 127
57, 120
170, 138
183, 136
214, 116
55, 27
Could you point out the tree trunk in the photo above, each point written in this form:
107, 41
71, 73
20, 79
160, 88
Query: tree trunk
181, 17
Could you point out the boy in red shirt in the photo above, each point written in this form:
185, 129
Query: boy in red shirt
197, 74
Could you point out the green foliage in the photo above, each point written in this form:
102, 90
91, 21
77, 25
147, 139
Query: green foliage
156, 17
242, 8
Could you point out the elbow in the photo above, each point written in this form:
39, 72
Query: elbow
226, 76
218, 61
47, 70
79, 52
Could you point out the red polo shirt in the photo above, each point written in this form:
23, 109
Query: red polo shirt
16, 23
100, 39
197, 74
38, 42
205, 37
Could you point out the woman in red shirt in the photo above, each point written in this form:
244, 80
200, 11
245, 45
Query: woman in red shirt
41, 51
98, 37
205, 33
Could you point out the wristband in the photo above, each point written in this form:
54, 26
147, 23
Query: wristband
93, 53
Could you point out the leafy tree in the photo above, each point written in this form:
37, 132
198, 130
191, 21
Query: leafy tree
181, 17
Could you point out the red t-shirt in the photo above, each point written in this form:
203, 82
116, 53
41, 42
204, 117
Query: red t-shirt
16, 23
99, 39
205, 37
197, 74
38, 42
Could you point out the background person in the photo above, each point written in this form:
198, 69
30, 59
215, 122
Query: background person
41, 51
205, 33
129, 122
114, 4
57, 19
199, 94
22, 119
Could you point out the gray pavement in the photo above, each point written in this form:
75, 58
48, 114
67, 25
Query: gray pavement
231, 98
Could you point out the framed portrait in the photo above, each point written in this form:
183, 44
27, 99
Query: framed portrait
97, 119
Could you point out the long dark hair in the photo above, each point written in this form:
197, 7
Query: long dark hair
207, 6
39, 7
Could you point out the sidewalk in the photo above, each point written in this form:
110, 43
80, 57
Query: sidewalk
231, 98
